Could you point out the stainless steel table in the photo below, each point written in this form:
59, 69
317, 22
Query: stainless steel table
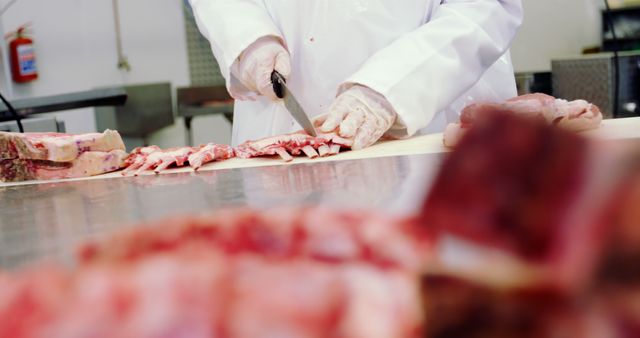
48, 221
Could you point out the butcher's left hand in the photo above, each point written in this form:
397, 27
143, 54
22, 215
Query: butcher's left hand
360, 114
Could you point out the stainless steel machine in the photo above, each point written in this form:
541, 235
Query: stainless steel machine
592, 78
27, 108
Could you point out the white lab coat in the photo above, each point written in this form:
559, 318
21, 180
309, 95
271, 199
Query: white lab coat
429, 58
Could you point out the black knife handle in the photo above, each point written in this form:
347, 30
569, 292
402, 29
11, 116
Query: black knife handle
277, 81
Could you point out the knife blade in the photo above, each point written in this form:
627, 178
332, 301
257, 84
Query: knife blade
293, 106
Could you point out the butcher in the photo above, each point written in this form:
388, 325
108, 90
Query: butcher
364, 69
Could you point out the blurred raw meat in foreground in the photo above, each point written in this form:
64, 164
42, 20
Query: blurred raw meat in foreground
529, 231
538, 235
305, 272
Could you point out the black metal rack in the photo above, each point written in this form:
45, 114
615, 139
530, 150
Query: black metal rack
628, 38
46, 104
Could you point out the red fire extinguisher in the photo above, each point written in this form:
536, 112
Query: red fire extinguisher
23, 57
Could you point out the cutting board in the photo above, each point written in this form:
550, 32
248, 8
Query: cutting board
628, 128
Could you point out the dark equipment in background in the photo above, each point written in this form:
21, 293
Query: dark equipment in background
13, 112
616, 61
149, 108
625, 35
25, 108
534, 82
201, 101
610, 80
593, 78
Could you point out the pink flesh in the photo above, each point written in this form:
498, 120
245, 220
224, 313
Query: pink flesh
197, 160
238, 284
453, 134
87, 164
540, 97
208, 153
146, 166
295, 143
164, 165
56, 147
153, 157
576, 116
341, 141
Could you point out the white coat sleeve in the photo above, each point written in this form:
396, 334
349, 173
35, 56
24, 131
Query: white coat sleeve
426, 70
231, 26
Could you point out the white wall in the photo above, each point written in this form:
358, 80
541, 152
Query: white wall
76, 51
75, 45
555, 28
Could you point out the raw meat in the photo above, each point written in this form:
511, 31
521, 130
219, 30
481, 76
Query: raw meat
209, 153
240, 273
89, 163
153, 157
533, 235
212, 295
293, 144
310, 233
45, 156
457, 307
56, 147
578, 115
618, 277
538, 218
536, 193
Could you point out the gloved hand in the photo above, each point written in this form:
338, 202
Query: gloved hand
256, 63
360, 114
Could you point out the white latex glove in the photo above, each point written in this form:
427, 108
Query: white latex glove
256, 63
360, 114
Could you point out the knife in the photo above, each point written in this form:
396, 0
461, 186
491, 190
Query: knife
294, 107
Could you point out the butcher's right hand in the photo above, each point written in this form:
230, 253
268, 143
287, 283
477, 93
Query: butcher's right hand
256, 63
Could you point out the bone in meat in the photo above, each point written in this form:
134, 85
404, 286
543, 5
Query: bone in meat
153, 157
293, 144
89, 163
209, 153
56, 147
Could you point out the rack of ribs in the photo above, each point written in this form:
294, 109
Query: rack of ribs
577, 116
44, 156
294, 144
153, 157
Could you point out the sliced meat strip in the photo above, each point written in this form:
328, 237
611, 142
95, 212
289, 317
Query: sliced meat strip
153, 157
210, 152
293, 145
